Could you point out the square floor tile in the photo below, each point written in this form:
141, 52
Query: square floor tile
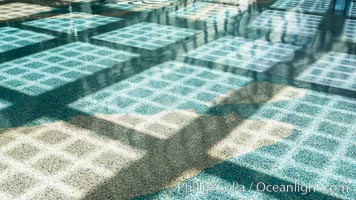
50, 193
322, 143
312, 6
287, 22
80, 148
148, 36
17, 10
72, 22
144, 98
83, 179
51, 165
258, 162
53, 137
17, 184
111, 161
333, 69
13, 38
254, 55
23, 152
211, 12
300, 175
331, 129
51, 75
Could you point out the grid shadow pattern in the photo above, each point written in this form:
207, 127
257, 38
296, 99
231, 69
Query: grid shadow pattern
58, 161
321, 151
148, 36
19, 10
287, 22
201, 11
168, 86
72, 22
238, 52
69, 159
334, 69
311, 6
47, 70
13, 38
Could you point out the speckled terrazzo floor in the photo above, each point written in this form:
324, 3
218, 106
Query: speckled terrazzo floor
169, 99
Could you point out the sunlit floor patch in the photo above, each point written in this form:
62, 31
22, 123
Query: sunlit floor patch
287, 22
58, 160
201, 11
74, 159
333, 69
148, 36
72, 22
13, 38
70, 160
139, 5
47, 70
89, 124
352, 11
321, 150
18, 10
349, 31
312, 6
254, 55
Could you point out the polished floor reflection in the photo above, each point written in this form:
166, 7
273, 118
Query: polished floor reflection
169, 99
312, 6
72, 22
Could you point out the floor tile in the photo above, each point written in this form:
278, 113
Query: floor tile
18, 10
312, 6
129, 96
147, 36
13, 38
50, 69
237, 52
333, 69
211, 12
72, 22
287, 22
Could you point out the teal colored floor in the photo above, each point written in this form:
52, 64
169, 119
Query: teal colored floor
169, 99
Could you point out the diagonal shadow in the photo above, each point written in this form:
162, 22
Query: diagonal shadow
166, 160
233, 172
180, 150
